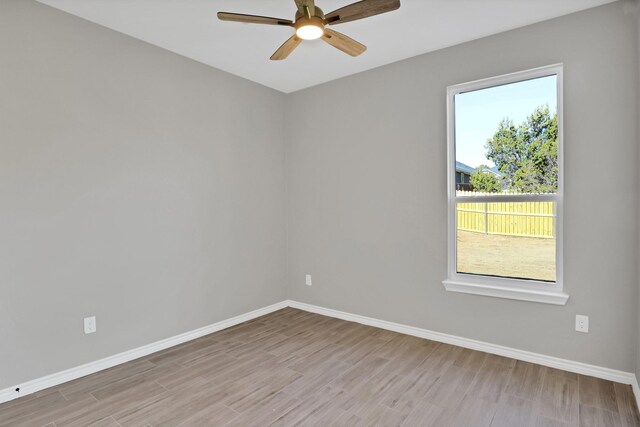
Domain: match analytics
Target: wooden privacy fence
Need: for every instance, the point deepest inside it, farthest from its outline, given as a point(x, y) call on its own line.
point(529, 219)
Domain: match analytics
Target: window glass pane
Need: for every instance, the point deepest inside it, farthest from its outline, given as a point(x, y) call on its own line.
point(506, 138)
point(513, 239)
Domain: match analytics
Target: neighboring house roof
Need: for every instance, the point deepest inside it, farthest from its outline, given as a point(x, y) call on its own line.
point(461, 167)
point(494, 170)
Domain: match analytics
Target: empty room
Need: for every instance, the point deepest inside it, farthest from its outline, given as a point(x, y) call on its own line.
point(319, 213)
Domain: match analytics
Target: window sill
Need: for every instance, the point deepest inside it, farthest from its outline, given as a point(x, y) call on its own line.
point(557, 298)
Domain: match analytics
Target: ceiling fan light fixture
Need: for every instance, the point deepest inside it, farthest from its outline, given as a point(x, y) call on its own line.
point(310, 32)
point(310, 24)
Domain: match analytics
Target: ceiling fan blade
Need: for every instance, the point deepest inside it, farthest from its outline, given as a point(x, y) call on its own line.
point(310, 4)
point(286, 48)
point(361, 9)
point(253, 19)
point(342, 42)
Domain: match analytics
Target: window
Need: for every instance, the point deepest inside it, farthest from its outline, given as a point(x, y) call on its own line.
point(505, 186)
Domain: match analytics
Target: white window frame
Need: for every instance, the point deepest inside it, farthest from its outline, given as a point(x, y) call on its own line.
point(503, 287)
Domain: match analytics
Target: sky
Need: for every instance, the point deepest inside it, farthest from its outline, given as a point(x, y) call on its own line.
point(478, 113)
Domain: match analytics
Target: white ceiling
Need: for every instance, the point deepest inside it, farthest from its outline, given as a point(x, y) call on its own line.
point(190, 28)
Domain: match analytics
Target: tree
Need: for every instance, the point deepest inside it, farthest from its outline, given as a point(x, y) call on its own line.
point(527, 155)
point(485, 182)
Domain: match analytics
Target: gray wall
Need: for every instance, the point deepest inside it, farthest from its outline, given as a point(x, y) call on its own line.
point(367, 191)
point(135, 185)
point(636, 10)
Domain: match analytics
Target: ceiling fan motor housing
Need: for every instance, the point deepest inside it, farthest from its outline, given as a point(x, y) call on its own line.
point(317, 19)
point(309, 27)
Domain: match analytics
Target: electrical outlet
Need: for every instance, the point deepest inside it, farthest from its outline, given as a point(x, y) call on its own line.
point(89, 325)
point(307, 280)
point(582, 323)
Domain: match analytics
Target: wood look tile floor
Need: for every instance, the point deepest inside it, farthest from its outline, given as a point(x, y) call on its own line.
point(297, 368)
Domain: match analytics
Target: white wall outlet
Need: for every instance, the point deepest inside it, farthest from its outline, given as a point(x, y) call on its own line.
point(307, 280)
point(89, 325)
point(582, 323)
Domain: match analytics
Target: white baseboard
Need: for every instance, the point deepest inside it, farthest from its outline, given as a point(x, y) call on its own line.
point(527, 356)
point(42, 383)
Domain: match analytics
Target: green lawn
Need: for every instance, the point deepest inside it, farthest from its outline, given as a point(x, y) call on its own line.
point(506, 256)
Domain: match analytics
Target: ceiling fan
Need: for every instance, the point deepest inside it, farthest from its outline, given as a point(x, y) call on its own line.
point(310, 24)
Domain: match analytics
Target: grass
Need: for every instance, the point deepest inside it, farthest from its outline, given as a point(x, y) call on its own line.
point(506, 256)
